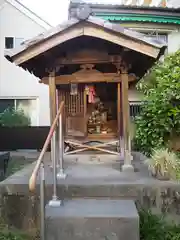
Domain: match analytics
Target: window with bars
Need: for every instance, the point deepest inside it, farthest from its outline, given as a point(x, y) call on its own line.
point(12, 42)
point(158, 35)
point(161, 37)
point(135, 108)
point(9, 42)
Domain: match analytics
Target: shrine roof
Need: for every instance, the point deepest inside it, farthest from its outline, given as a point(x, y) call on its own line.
point(35, 54)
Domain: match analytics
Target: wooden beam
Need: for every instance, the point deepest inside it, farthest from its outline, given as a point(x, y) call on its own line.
point(52, 96)
point(97, 146)
point(81, 61)
point(85, 102)
point(105, 77)
point(85, 146)
point(119, 106)
point(89, 78)
point(88, 56)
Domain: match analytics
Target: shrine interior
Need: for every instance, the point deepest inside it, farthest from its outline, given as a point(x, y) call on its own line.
point(102, 110)
point(90, 109)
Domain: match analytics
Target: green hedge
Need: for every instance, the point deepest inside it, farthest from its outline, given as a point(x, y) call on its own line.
point(159, 118)
point(154, 227)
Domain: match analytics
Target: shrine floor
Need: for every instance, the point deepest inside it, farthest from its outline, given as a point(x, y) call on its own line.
point(91, 178)
point(88, 170)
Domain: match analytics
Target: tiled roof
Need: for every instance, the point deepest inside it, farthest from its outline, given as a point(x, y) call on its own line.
point(95, 20)
point(140, 3)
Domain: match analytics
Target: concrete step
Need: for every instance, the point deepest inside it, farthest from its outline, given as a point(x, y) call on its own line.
point(93, 219)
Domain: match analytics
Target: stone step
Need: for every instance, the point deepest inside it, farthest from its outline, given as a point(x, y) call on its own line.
point(93, 219)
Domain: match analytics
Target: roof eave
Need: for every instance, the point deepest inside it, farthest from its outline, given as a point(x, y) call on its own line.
point(157, 48)
point(120, 6)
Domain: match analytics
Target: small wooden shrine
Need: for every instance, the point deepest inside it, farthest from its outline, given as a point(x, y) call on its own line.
point(89, 63)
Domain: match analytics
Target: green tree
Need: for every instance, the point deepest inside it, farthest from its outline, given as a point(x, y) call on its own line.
point(14, 118)
point(160, 115)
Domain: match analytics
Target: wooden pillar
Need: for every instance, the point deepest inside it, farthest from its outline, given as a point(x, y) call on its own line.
point(119, 106)
point(126, 122)
point(52, 96)
point(52, 108)
point(119, 118)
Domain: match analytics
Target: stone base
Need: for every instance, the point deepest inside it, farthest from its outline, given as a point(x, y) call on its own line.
point(61, 174)
point(127, 168)
point(93, 220)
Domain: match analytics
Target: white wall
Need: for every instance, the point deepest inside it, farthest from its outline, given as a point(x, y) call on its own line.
point(174, 3)
point(134, 95)
point(173, 41)
point(14, 81)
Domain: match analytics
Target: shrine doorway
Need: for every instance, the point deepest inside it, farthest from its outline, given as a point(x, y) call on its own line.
point(91, 117)
point(101, 100)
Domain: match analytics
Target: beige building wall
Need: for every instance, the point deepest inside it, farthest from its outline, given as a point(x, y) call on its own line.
point(173, 43)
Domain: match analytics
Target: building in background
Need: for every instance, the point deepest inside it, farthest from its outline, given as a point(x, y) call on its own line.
point(19, 88)
point(151, 17)
point(155, 18)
